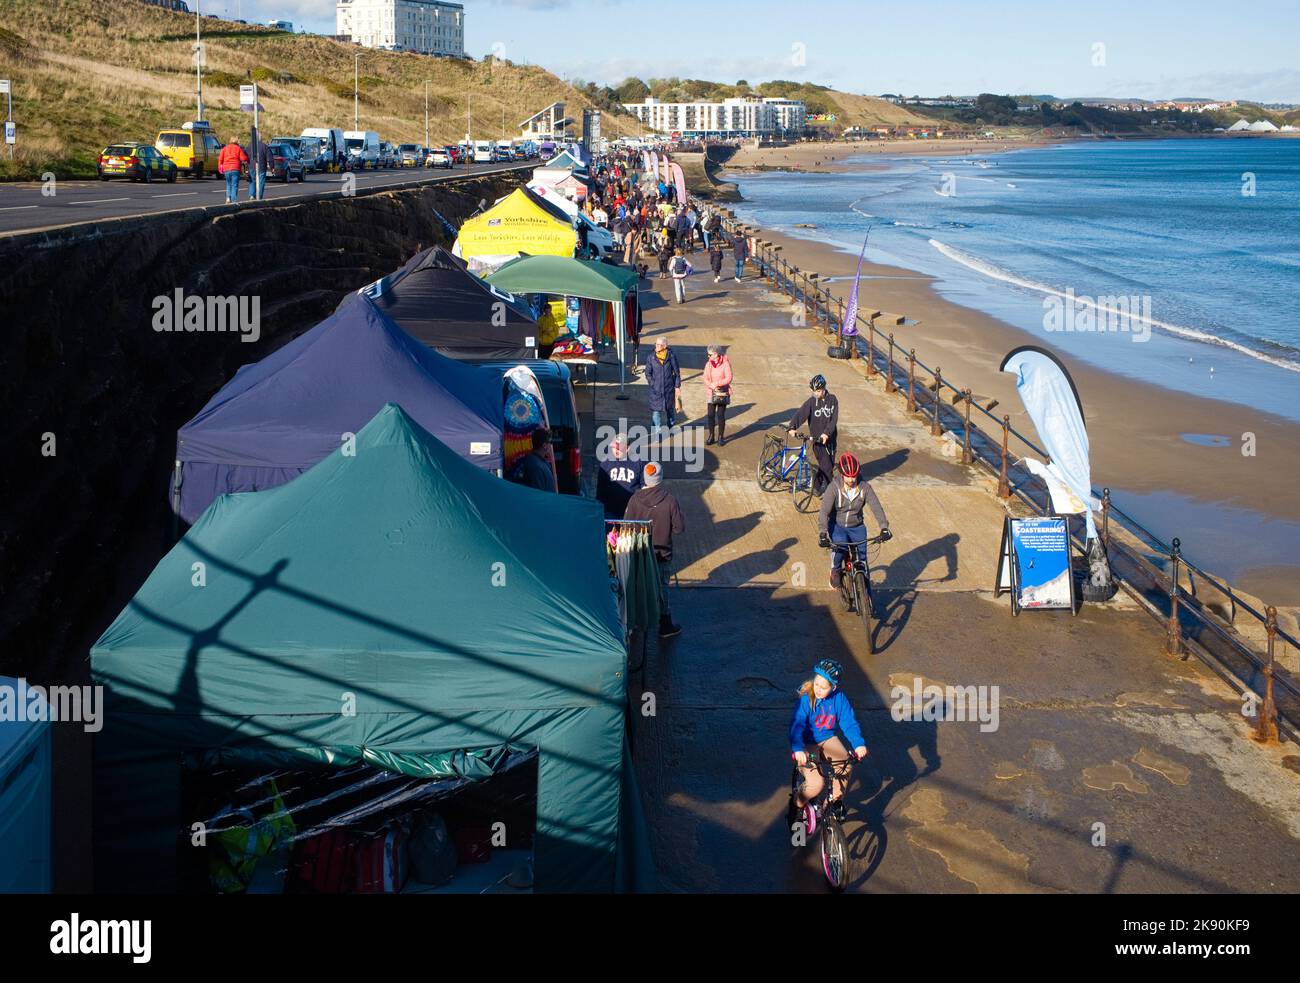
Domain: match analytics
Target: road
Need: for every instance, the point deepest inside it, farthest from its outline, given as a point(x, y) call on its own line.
point(23, 207)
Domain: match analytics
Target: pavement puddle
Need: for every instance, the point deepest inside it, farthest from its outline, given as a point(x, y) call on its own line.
point(1161, 700)
point(1107, 778)
point(972, 855)
point(1172, 770)
point(1043, 754)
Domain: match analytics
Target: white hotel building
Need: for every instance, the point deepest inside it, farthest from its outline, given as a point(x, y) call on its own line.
point(736, 117)
point(428, 27)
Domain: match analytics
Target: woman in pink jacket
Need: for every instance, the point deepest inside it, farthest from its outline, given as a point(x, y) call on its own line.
point(717, 383)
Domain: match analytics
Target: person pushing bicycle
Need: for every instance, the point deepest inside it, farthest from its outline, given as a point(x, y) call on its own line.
point(840, 521)
point(821, 714)
point(821, 411)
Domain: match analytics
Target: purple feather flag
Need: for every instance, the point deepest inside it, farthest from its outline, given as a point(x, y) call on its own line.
point(850, 327)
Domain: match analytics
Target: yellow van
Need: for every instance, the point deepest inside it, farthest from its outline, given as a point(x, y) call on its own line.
point(192, 147)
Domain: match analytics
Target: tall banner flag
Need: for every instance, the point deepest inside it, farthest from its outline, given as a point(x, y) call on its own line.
point(850, 326)
point(680, 179)
point(1052, 401)
point(654, 163)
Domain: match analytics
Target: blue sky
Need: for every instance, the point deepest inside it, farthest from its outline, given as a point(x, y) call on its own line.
point(1152, 49)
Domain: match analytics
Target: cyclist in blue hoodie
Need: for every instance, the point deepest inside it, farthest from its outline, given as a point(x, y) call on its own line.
point(821, 715)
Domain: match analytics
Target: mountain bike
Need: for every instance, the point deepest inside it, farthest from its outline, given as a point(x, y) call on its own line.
point(855, 585)
point(830, 816)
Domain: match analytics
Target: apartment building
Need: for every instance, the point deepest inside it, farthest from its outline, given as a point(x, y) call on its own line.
point(735, 117)
point(427, 27)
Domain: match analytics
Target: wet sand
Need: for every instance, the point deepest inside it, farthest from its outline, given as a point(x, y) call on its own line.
point(831, 157)
point(1135, 429)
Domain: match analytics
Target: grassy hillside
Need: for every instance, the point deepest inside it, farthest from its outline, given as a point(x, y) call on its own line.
point(87, 72)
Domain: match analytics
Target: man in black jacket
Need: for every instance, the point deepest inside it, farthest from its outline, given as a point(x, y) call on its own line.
point(821, 412)
point(656, 503)
point(535, 470)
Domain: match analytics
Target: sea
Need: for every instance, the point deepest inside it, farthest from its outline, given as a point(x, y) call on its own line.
point(1186, 251)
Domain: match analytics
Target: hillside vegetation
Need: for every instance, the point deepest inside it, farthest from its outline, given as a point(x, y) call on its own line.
point(87, 73)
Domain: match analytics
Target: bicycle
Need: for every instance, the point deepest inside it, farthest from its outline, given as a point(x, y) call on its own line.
point(855, 585)
point(779, 464)
point(830, 815)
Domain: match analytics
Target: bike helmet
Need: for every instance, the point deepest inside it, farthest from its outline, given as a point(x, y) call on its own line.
point(817, 382)
point(848, 465)
point(829, 670)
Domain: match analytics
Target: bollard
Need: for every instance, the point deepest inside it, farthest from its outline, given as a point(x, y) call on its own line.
point(1004, 486)
point(1174, 637)
point(890, 386)
point(966, 456)
point(911, 380)
point(871, 348)
point(936, 430)
point(1266, 729)
point(1105, 517)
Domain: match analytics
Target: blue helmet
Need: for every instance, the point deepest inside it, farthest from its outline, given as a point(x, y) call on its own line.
point(829, 670)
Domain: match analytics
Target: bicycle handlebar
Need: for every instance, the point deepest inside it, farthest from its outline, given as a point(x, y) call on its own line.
point(881, 538)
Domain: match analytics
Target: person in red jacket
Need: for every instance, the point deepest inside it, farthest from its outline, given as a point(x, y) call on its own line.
point(717, 383)
point(231, 159)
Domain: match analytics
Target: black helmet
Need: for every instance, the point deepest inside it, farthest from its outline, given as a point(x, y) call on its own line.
point(828, 669)
point(817, 382)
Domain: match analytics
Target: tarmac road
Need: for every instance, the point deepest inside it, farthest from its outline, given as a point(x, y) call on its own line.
point(23, 208)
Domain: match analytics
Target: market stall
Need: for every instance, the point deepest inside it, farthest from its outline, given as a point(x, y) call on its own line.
point(518, 224)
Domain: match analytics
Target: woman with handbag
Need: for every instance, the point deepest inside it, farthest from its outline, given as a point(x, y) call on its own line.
point(717, 381)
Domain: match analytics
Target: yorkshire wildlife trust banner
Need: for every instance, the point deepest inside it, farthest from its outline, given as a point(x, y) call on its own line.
point(1053, 404)
point(654, 164)
point(680, 180)
point(850, 327)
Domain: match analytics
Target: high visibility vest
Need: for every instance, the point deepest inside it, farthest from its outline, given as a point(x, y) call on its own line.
point(238, 850)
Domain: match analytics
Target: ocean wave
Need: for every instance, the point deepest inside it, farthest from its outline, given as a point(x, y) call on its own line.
point(994, 272)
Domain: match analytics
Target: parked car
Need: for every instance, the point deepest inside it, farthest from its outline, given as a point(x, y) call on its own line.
point(135, 162)
point(502, 154)
point(332, 148)
point(286, 165)
point(438, 157)
point(410, 155)
point(363, 148)
point(192, 147)
point(457, 154)
point(482, 151)
point(520, 151)
point(308, 150)
point(562, 414)
point(387, 154)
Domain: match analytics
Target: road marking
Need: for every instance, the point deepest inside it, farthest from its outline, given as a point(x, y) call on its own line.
point(179, 194)
point(97, 201)
point(18, 208)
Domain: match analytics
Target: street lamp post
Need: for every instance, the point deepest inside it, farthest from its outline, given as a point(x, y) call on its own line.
point(356, 93)
point(198, 53)
point(426, 112)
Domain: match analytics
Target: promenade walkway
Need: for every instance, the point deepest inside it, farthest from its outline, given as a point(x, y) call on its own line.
point(1095, 725)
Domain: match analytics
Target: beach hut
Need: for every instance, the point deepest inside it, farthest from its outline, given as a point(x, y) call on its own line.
point(373, 575)
point(278, 417)
point(437, 301)
point(580, 278)
point(518, 223)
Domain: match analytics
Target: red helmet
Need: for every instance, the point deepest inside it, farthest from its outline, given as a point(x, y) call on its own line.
point(848, 465)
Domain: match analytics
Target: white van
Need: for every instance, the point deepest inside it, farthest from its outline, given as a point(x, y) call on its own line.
point(483, 151)
point(363, 148)
point(333, 150)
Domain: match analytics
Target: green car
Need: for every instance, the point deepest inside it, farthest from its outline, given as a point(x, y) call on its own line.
point(135, 162)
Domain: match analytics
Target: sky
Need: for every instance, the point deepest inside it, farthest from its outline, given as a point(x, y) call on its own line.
point(1147, 49)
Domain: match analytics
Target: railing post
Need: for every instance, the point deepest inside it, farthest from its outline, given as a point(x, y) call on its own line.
point(911, 380)
point(966, 456)
point(1174, 634)
point(1266, 729)
point(871, 348)
point(890, 385)
point(1105, 518)
point(935, 429)
point(1004, 486)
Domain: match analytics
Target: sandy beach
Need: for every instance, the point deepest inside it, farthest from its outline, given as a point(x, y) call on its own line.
point(1134, 428)
point(829, 157)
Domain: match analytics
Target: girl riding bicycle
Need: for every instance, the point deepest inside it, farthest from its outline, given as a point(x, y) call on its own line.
point(840, 521)
point(821, 715)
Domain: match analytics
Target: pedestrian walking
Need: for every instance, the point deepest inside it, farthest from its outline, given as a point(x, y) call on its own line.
point(821, 411)
point(717, 383)
point(665, 254)
point(664, 377)
point(681, 269)
point(229, 162)
point(258, 166)
point(715, 258)
point(657, 504)
point(618, 478)
point(739, 249)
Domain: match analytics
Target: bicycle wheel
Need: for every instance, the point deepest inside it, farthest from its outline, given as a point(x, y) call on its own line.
point(767, 473)
point(835, 853)
point(801, 489)
point(866, 608)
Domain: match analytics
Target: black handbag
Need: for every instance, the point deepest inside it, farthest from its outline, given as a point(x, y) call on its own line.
point(721, 397)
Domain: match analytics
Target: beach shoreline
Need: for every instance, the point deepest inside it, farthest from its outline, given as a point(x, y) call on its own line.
point(1136, 429)
point(822, 158)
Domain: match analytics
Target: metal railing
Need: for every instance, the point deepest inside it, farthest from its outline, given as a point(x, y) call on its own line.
point(1190, 624)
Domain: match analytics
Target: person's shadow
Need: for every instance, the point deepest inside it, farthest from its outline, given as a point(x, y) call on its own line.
point(744, 569)
point(896, 593)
